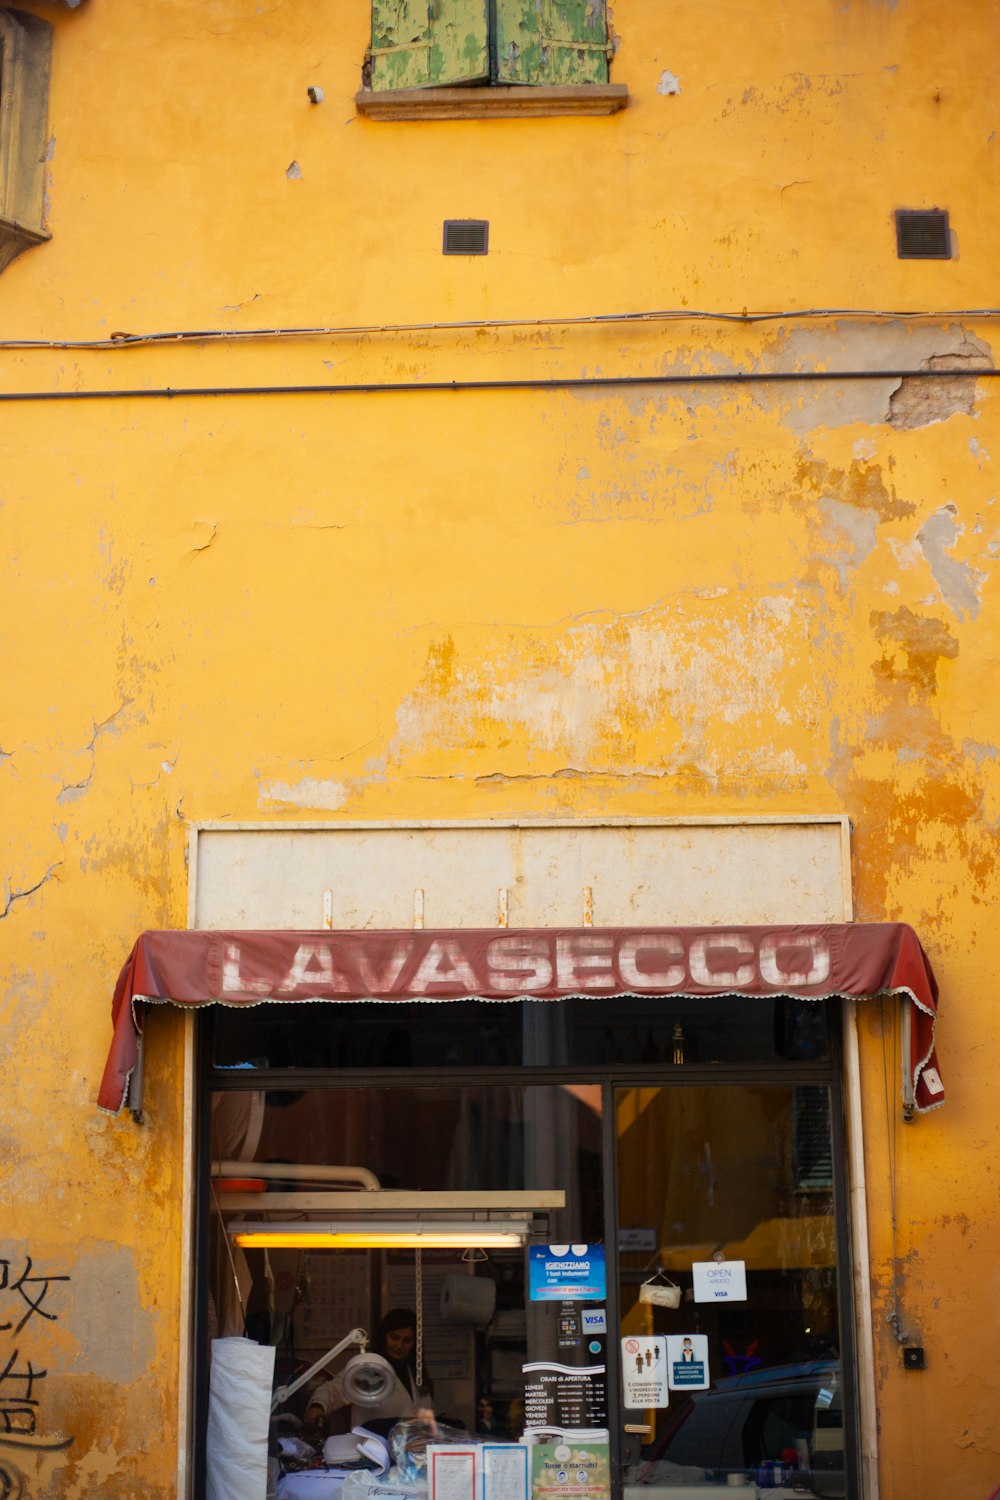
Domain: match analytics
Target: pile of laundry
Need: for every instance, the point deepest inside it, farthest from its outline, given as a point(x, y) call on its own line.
point(360, 1465)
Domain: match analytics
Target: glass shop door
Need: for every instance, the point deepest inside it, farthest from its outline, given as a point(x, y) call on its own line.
point(727, 1277)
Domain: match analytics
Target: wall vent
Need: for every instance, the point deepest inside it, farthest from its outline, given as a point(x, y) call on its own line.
point(466, 236)
point(922, 234)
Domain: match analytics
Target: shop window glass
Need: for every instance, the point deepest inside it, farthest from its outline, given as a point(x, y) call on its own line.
point(647, 1172)
point(390, 1159)
point(711, 1177)
point(584, 1032)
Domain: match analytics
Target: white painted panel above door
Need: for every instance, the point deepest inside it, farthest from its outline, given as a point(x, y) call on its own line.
point(652, 872)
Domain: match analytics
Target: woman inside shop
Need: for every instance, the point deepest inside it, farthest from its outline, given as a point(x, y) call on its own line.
point(396, 1344)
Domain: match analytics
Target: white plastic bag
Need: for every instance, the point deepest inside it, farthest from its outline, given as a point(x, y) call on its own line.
point(311, 1484)
point(239, 1412)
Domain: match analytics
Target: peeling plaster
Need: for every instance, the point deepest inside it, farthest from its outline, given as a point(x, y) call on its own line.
point(862, 486)
point(853, 532)
point(114, 1335)
point(917, 401)
point(906, 553)
point(959, 582)
point(669, 83)
point(851, 346)
point(309, 792)
point(914, 646)
point(204, 534)
point(642, 694)
point(979, 752)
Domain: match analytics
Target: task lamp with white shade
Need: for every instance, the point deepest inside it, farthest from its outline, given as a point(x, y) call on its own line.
point(366, 1380)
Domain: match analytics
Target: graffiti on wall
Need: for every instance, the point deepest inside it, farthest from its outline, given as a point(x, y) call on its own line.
point(25, 1295)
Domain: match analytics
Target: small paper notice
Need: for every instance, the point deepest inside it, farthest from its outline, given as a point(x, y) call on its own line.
point(505, 1471)
point(452, 1472)
point(687, 1361)
point(720, 1280)
point(644, 1372)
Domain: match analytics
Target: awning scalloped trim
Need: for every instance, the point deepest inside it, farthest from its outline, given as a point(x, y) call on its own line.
point(239, 968)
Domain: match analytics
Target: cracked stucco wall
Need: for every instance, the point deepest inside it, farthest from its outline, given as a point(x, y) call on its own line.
point(698, 599)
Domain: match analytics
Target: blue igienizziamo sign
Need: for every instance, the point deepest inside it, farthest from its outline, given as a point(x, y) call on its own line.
point(567, 1273)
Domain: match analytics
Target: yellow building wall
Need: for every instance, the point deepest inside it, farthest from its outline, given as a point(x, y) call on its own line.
point(714, 596)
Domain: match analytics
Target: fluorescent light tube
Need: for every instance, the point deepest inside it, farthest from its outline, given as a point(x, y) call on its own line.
point(303, 1235)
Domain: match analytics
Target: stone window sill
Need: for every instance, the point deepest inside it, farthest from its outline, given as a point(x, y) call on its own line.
point(16, 237)
point(496, 102)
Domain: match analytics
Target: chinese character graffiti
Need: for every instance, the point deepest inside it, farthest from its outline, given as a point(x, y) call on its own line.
point(33, 1291)
point(25, 1295)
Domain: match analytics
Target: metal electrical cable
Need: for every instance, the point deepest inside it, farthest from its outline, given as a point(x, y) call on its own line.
point(229, 1251)
point(126, 340)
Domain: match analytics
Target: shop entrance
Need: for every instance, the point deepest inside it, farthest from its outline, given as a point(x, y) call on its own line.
point(728, 1289)
point(615, 1229)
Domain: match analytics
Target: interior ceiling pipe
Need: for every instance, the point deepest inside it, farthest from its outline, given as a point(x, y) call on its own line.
point(296, 1172)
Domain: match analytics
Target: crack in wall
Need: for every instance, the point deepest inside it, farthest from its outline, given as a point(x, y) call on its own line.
point(166, 767)
point(70, 791)
point(200, 529)
point(569, 773)
point(13, 896)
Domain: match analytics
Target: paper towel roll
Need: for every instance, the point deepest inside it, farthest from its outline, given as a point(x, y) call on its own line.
point(468, 1299)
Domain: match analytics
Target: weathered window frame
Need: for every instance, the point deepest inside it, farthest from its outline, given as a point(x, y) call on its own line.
point(25, 54)
point(475, 59)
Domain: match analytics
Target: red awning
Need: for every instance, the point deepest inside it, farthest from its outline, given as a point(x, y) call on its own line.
point(857, 961)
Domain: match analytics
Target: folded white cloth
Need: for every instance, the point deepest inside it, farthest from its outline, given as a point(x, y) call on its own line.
point(341, 1449)
point(312, 1484)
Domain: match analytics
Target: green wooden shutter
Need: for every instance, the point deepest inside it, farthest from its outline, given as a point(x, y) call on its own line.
point(420, 44)
point(552, 41)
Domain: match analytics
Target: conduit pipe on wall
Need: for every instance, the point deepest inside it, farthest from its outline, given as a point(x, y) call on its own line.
point(373, 388)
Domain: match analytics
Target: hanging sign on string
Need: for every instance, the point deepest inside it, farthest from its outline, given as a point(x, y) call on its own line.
point(720, 1280)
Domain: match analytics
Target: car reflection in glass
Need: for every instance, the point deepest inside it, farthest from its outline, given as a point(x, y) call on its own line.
point(782, 1428)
